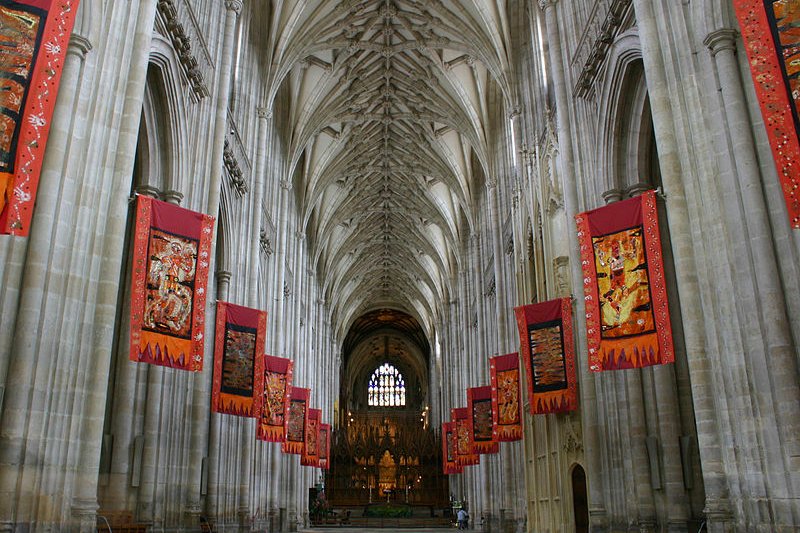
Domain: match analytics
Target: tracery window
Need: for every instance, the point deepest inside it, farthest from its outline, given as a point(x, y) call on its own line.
point(386, 387)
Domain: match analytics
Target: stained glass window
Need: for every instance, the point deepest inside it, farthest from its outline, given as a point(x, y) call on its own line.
point(386, 387)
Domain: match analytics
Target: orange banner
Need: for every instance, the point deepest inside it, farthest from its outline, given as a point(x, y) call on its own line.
point(296, 420)
point(772, 41)
point(449, 465)
point(548, 349)
point(480, 421)
point(35, 41)
point(271, 417)
point(506, 401)
point(310, 455)
point(627, 314)
point(238, 387)
point(464, 454)
point(324, 446)
point(171, 252)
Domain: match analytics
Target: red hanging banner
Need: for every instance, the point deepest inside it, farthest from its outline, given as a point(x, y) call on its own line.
point(627, 316)
point(35, 41)
point(239, 360)
point(480, 420)
point(449, 465)
point(506, 413)
point(296, 420)
point(271, 416)
point(324, 446)
point(310, 456)
point(464, 454)
point(548, 349)
point(171, 250)
point(769, 29)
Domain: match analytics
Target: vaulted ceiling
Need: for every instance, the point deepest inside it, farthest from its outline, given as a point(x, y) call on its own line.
point(389, 139)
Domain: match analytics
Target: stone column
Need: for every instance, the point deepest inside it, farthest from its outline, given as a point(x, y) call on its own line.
point(19, 380)
point(746, 193)
point(214, 426)
point(232, 10)
point(591, 427)
point(717, 500)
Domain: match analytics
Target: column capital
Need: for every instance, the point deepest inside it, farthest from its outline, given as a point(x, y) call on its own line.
point(264, 113)
point(612, 195)
point(515, 112)
point(286, 185)
point(544, 4)
point(234, 5)
point(79, 45)
point(637, 189)
point(722, 39)
point(223, 276)
point(173, 197)
point(147, 190)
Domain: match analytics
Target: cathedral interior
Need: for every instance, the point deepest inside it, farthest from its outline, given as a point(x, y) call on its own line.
point(386, 181)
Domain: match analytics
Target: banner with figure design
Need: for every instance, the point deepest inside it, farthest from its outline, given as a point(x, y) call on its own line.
point(171, 252)
point(548, 349)
point(772, 41)
point(627, 315)
point(506, 413)
point(310, 456)
point(465, 456)
point(449, 465)
point(324, 446)
point(238, 386)
point(479, 406)
point(296, 420)
point(35, 37)
point(271, 417)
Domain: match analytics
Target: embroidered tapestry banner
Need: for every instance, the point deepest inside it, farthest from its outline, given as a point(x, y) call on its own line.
point(171, 248)
point(464, 454)
point(32, 51)
point(310, 456)
point(271, 417)
point(548, 349)
point(324, 446)
point(772, 40)
point(627, 316)
point(479, 404)
point(507, 419)
point(239, 360)
point(296, 420)
point(449, 465)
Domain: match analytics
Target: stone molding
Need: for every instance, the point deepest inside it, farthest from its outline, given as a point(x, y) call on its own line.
point(234, 5)
point(181, 39)
point(235, 173)
point(173, 197)
point(79, 45)
point(595, 43)
point(722, 39)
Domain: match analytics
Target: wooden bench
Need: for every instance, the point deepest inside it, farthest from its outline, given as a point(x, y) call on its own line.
point(118, 522)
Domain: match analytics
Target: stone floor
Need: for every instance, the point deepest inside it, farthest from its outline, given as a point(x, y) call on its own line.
point(338, 529)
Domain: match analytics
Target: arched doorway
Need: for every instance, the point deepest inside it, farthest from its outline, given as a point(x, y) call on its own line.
point(580, 502)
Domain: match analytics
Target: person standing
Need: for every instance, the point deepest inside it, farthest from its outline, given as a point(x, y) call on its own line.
point(463, 518)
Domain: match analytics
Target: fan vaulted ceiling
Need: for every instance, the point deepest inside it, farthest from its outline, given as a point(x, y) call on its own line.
point(389, 128)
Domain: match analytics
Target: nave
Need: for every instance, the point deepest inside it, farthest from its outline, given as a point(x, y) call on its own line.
point(266, 262)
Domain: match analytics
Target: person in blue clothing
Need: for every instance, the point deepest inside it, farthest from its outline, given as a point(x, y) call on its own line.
point(463, 518)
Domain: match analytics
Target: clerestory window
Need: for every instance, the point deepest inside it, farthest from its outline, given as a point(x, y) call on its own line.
point(386, 387)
